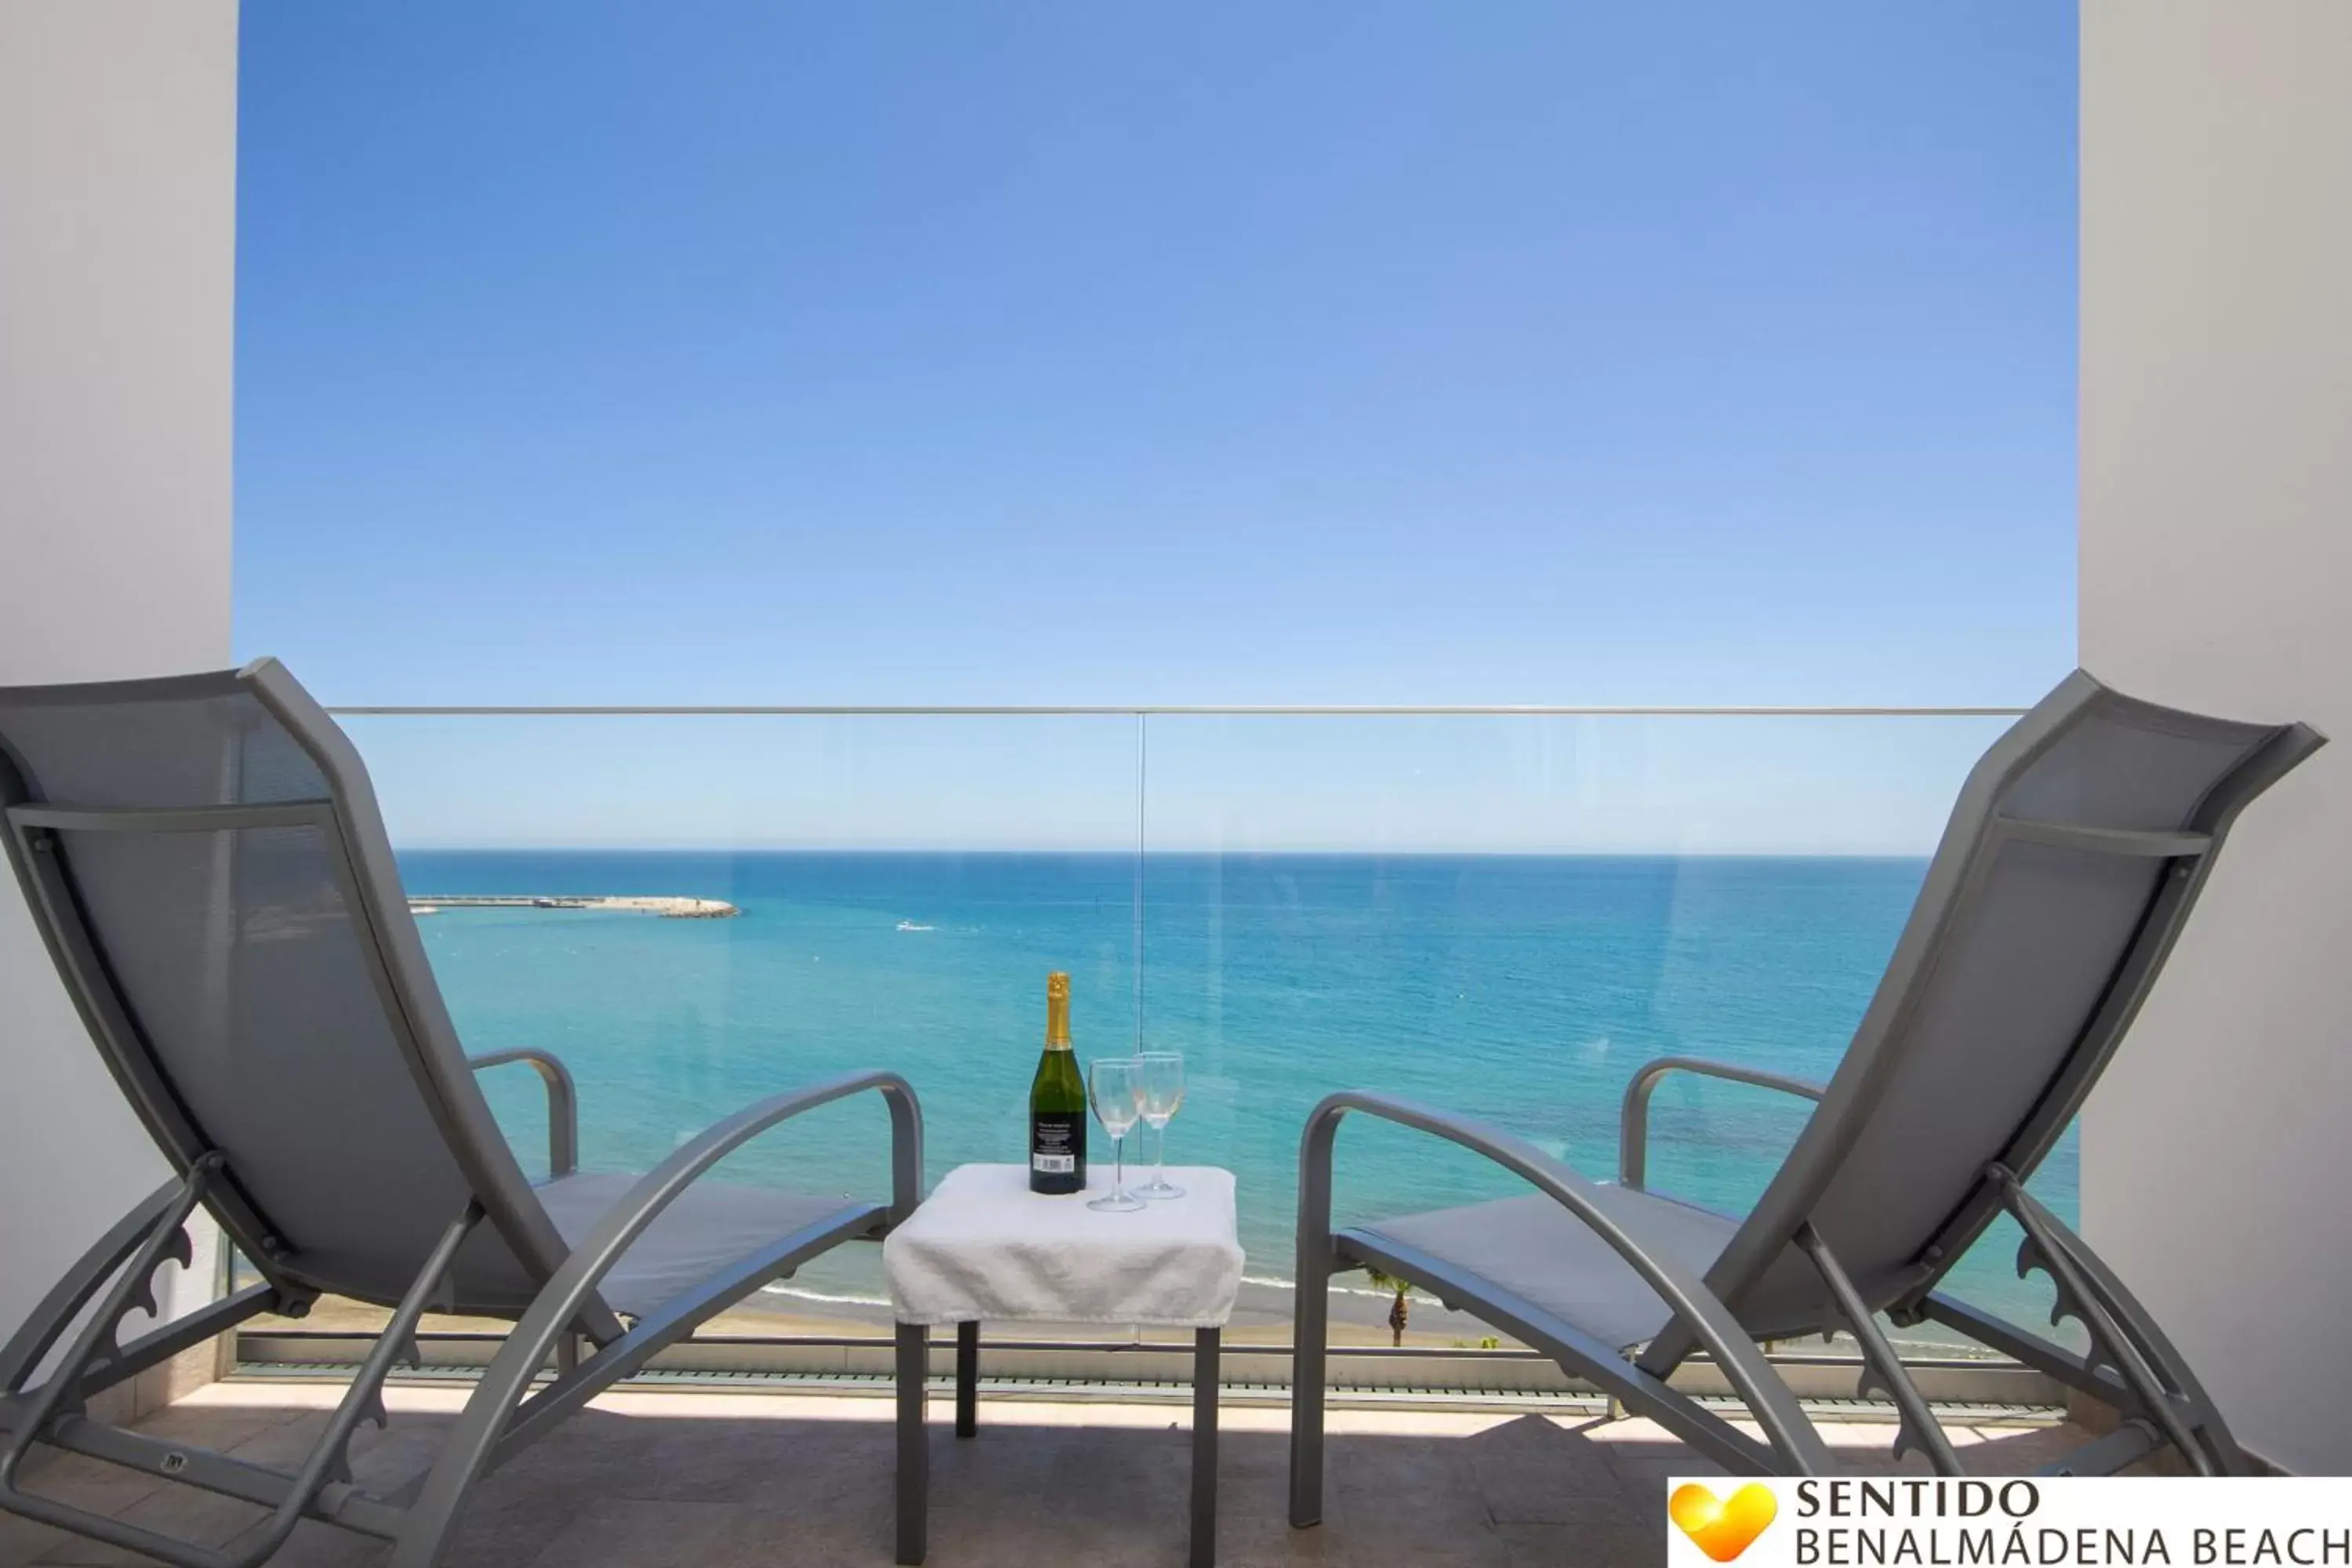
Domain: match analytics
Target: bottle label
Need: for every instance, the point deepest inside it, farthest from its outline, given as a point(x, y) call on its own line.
point(1056, 1143)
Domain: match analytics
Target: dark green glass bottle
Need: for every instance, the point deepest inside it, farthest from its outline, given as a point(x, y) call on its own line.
point(1058, 1102)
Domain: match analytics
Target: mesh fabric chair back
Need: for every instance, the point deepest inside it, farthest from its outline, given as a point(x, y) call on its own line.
point(204, 857)
point(2073, 857)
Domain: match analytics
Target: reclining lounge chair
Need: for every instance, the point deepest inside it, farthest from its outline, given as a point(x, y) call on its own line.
point(2073, 856)
point(204, 857)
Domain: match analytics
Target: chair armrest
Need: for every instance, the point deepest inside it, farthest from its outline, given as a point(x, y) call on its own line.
point(496, 1409)
point(562, 1103)
point(660, 1187)
point(1634, 1127)
point(1774, 1408)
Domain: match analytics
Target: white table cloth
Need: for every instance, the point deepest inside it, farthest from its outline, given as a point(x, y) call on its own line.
point(983, 1246)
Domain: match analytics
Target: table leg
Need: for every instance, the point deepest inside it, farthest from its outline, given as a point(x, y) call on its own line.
point(1205, 1373)
point(914, 1447)
point(967, 1379)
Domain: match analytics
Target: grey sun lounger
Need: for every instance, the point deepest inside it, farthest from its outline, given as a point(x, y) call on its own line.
point(2073, 856)
point(204, 857)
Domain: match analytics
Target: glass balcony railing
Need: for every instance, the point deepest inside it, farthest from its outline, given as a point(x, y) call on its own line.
point(1500, 912)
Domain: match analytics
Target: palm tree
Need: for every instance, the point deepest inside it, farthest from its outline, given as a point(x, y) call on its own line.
point(1398, 1313)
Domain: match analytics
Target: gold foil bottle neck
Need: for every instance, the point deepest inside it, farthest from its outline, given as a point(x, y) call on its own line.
point(1057, 1012)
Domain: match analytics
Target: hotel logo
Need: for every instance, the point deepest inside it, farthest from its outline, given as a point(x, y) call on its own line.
point(1723, 1527)
point(1917, 1521)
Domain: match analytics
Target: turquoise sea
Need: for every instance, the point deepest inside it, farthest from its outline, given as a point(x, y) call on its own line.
point(1520, 989)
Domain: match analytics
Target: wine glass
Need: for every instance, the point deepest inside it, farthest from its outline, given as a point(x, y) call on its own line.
point(1163, 1093)
point(1113, 1085)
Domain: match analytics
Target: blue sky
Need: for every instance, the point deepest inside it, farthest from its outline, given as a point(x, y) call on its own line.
point(1511, 352)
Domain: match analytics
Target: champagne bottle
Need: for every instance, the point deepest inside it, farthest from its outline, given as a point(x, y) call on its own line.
point(1058, 1102)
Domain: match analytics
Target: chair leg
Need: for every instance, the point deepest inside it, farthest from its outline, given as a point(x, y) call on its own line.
point(1311, 1326)
point(492, 1413)
point(914, 1445)
point(466, 1456)
point(365, 1399)
point(1882, 1367)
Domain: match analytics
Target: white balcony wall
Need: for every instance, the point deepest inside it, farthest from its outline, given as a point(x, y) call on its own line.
point(118, 188)
point(2217, 573)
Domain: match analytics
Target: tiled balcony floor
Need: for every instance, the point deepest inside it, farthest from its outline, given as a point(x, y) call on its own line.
point(713, 1480)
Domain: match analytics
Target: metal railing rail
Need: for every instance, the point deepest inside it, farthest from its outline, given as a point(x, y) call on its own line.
point(1508, 1371)
point(1155, 710)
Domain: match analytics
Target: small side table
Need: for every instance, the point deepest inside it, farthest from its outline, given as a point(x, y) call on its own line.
point(983, 1247)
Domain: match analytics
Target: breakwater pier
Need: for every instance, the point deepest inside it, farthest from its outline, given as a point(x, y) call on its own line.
point(668, 909)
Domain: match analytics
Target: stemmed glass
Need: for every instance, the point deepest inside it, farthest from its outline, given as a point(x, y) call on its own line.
point(1163, 1093)
point(1114, 1086)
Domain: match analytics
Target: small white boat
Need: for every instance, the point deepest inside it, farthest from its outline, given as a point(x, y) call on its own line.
point(909, 925)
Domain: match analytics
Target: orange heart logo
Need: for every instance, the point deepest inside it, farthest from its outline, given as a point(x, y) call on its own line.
point(1722, 1527)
